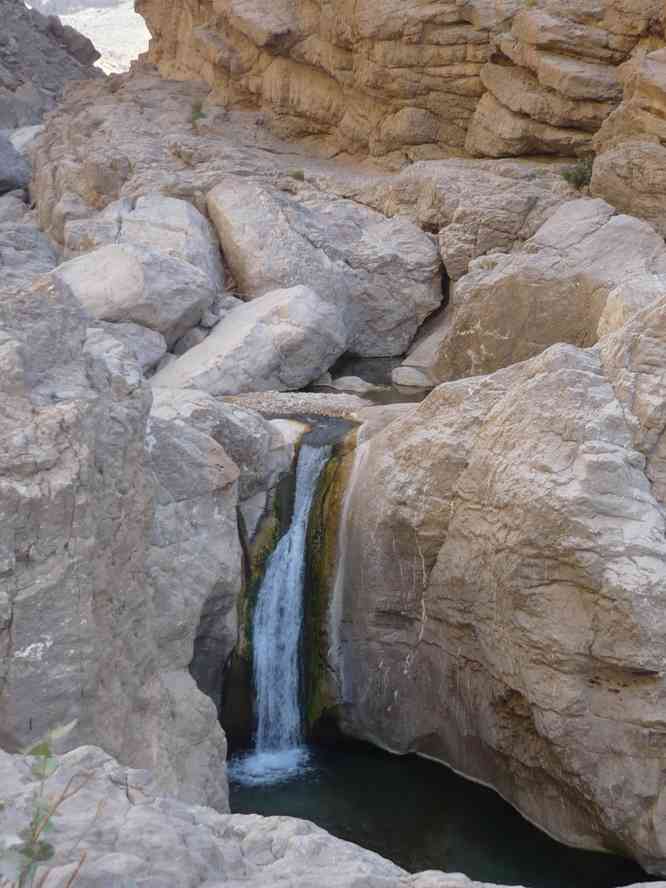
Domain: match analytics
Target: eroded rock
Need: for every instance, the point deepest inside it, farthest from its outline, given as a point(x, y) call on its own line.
point(582, 275)
point(498, 605)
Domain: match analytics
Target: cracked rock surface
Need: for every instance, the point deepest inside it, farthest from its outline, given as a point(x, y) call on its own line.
point(499, 604)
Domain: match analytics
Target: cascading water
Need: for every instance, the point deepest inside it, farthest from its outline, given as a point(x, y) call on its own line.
point(276, 634)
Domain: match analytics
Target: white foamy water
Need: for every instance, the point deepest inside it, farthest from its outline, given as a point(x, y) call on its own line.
point(265, 768)
point(276, 634)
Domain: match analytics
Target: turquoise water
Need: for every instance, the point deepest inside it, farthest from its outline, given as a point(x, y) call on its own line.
point(423, 816)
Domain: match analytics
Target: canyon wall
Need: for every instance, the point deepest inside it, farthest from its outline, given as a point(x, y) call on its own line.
point(498, 604)
point(484, 77)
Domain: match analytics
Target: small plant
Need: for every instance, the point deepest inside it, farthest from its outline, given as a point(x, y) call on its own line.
point(197, 111)
point(530, 4)
point(580, 174)
point(299, 175)
point(25, 858)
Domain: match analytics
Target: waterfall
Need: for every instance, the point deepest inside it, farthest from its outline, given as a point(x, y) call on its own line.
point(276, 636)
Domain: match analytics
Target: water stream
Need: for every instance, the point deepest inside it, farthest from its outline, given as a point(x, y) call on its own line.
point(276, 634)
point(416, 813)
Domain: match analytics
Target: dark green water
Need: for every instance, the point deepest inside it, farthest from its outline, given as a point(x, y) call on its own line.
point(423, 816)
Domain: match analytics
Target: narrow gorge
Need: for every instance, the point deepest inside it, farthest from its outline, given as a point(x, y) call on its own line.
point(333, 453)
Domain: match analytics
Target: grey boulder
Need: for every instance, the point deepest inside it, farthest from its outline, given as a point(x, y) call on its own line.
point(283, 341)
point(148, 347)
point(122, 282)
point(383, 275)
point(163, 224)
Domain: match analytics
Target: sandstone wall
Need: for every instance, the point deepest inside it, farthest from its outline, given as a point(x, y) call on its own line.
point(630, 168)
point(377, 76)
point(488, 77)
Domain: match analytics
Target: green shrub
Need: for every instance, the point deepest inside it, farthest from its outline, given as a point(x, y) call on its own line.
point(297, 174)
point(197, 111)
point(580, 174)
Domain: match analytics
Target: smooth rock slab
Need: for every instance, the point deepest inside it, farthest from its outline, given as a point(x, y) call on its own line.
point(284, 340)
point(383, 275)
point(121, 282)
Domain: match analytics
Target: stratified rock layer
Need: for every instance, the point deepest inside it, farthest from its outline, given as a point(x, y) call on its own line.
point(490, 78)
point(630, 168)
point(377, 76)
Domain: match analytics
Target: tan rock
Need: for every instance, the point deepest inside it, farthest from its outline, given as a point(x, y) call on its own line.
point(630, 168)
point(346, 73)
point(496, 131)
point(581, 276)
point(499, 602)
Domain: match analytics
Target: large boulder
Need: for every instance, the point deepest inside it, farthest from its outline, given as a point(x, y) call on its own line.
point(147, 347)
point(194, 570)
point(582, 275)
point(499, 604)
point(127, 283)
point(89, 507)
point(158, 223)
point(257, 448)
point(194, 558)
point(283, 340)
point(382, 274)
point(476, 207)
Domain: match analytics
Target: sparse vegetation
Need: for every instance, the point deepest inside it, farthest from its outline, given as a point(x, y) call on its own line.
point(299, 175)
point(580, 174)
point(197, 111)
point(23, 859)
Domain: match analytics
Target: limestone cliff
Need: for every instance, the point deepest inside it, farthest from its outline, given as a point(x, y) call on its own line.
point(490, 77)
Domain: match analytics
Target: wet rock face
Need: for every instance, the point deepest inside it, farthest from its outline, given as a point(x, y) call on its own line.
point(38, 55)
point(499, 607)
